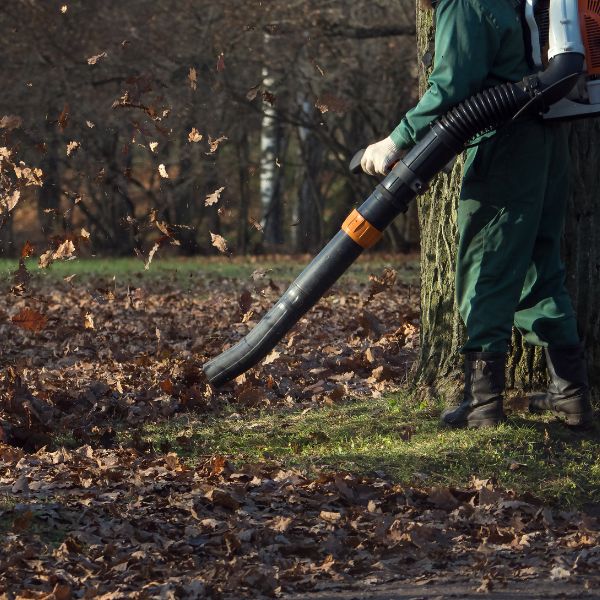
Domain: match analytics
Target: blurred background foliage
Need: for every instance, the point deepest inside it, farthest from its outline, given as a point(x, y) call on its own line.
point(137, 112)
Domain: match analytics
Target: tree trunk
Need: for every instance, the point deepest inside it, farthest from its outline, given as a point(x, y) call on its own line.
point(442, 332)
point(309, 207)
point(243, 156)
point(582, 239)
point(271, 146)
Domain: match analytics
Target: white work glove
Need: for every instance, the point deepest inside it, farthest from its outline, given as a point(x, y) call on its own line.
point(379, 157)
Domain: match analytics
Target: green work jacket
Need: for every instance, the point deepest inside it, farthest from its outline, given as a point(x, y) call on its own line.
point(478, 44)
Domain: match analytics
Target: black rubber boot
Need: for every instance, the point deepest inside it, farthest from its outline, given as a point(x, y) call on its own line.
point(484, 386)
point(568, 392)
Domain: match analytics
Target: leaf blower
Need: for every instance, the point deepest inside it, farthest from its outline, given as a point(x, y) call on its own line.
point(568, 87)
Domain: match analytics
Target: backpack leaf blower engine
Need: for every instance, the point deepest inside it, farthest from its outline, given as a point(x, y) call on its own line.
point(565, 47)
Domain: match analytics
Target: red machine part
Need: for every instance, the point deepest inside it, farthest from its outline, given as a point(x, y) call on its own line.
point(589, 15)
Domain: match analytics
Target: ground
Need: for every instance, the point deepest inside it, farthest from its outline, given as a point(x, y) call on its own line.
point(320, 474)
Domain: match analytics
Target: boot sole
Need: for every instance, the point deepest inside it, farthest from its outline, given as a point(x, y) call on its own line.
point(572, 419)
point(575, 419)
point(482, 423)
point(475, 423)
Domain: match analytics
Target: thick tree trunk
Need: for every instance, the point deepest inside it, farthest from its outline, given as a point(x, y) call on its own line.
point(582, 239)
point(442, 332)
point(441, 328)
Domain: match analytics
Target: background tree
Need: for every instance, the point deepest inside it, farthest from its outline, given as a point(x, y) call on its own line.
point(124, 85)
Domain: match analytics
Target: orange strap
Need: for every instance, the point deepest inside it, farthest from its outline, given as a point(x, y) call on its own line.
point(360, 230)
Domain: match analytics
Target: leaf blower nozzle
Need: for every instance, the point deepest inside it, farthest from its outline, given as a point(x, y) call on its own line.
point(407, 179)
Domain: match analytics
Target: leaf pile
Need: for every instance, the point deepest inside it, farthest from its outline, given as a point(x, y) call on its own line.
point(112, 524)
point(82, 356)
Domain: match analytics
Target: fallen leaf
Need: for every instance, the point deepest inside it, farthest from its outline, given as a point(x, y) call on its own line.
point(193, 78)
point(151, 254)
point(245, 301)
point(10, 122)
point(194, 136)
point(214, 143)
point(219, 242)
point(162, 171)
point(30, 319)
point(94, 59)
point(71, 147)
point(214, 197)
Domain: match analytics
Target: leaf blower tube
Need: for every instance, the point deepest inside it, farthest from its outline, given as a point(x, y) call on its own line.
point(408, 178)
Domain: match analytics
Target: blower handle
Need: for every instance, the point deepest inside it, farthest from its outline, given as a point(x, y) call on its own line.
point(355, 167)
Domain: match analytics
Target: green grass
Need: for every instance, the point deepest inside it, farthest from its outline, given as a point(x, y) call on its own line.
point(395, 437)
point(182, 269)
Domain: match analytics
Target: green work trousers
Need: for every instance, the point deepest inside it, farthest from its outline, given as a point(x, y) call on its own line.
point(510, 218)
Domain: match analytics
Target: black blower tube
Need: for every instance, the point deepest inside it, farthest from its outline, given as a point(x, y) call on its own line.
point(408, 178)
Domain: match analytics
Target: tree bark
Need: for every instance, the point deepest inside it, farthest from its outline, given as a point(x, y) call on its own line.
point(309, 209)
point(582, 239)
point(442, 332)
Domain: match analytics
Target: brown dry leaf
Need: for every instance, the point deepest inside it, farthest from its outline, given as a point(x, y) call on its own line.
point(222, 498)
point(255, 224)
point(332, 517)
point(382, 283)
point(271, 357)
point(27, 250)
point(151, 254)
point(71, 147)
point(13, 200)
point(166, 386)
point(92, 60)
point(65, 250)
point(88, 321)
point(30, 319)
point(63, 119)
point(84, 233)
point(253, 92)
point(193, 78)
point(163, 228)
point(443, 498)
point(282, 524)
point(245, 301)
point(214, 143)
point(45, 259)
point(194, 136)
point(219, 242)
point(214, 197)
point(62, 591)
point(10, 122)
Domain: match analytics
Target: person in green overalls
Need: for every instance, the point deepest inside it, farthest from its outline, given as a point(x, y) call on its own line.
point(510, 216)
